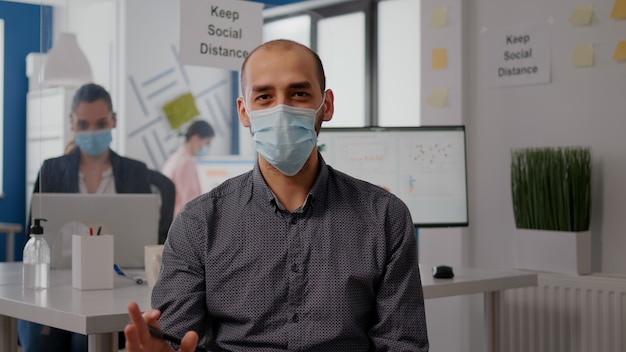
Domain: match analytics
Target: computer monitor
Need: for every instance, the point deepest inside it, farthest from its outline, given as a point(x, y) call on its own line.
point(133, 220)
point(213, 170)
point(423, 166)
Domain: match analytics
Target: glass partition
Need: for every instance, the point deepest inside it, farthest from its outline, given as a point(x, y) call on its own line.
point(370, 50)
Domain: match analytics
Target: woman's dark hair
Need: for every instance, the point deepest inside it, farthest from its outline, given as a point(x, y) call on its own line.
point(89, 93)
point(201, 128)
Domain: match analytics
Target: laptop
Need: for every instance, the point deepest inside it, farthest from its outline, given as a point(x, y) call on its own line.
point(132, 219)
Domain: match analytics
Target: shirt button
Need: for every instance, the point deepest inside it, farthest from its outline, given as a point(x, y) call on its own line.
point(295, 318)
point(294, 268)
point(294, 220)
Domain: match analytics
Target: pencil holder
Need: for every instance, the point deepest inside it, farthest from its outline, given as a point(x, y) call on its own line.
point(92, 262)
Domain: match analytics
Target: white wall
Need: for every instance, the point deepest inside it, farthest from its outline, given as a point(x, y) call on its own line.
point(450, 316)
point(581, 106)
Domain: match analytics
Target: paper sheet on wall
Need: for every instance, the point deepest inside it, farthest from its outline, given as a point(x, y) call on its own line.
point(581, 16)
point(583, 56)
point(518, 54)
point(620, 51)
point(439, 59)
point(439, 17)
point(619, 9)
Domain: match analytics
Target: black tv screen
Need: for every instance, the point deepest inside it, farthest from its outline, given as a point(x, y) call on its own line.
point(423, 166)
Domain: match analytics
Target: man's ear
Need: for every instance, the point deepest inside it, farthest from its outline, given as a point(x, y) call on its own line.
point(329, 105)
point(243, 113)
point(114, 117)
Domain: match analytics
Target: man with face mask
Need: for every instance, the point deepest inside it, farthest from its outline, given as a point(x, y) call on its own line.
point(89, 167)
point(293, 255)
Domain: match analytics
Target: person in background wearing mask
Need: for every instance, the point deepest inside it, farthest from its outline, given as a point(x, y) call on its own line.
point(180, 167)
point(293, 255)
point(89, 167)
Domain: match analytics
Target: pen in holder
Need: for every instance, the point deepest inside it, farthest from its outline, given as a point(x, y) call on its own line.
point(92, 260)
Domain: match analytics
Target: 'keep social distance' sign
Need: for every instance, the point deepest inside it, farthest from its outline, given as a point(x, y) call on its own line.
point(219, 33)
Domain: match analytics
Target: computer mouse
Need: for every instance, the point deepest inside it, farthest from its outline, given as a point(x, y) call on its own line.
point(442, 272)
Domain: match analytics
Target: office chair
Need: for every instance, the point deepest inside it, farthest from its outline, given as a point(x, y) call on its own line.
point(163, 186)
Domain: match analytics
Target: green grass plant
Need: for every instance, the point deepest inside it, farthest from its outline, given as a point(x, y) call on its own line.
point(551, 188)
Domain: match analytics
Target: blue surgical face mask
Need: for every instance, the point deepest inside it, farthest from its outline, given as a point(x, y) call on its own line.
point(204, 151)
point(93, 142)
point(284, 135)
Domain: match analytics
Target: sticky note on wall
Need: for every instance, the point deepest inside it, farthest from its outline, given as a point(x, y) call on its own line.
point(583, 56)
point(439, 17)
point(620, 51)
point(581, 16)
point(439, 59)
point(438, 98)
point(180, 110)
point(619, 9)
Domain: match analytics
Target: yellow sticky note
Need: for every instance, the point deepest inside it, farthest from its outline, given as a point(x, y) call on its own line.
point(619, 9)
point(620, 51)
point(439, 59)
point(438, 98)
point(581, 16)
point(181, 110)
point(439, 17)
point(583, 56)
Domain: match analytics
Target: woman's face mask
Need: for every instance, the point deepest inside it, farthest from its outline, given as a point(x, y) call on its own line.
point(94, 142)
point(284, 135)
point(204, 151)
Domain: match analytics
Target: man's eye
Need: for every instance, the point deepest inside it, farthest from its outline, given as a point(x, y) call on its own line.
point(301, 94)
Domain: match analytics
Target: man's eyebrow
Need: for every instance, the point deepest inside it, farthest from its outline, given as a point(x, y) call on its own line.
point(294, 85)
point(261, 88)
point(301, 85)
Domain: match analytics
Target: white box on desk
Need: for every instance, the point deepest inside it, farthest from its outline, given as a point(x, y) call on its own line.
point(92, 262)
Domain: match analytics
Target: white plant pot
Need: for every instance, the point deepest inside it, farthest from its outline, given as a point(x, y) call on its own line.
point(553, 251)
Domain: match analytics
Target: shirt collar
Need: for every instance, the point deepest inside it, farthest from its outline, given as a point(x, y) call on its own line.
point(317, 194)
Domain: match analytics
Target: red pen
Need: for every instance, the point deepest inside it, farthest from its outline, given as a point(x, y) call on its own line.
point(91, 231)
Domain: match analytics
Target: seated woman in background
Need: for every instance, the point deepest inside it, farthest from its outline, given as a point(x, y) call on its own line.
point(180, 167)
point(89, 167)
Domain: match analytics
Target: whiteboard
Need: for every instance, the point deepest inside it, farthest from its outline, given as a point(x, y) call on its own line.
point(423, 166)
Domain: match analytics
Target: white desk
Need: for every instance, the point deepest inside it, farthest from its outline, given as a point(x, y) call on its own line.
point(101, 314)
point(10, 230)
point(489, 282)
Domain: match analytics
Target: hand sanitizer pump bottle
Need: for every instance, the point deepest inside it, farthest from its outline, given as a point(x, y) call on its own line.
point(36, 266)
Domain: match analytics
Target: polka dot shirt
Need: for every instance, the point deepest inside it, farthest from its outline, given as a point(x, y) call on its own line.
point(338, 274)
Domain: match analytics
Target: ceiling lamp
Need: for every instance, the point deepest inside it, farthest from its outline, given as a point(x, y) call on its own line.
point(66, 64)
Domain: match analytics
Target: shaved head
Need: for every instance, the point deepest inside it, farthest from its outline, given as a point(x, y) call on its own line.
point(285, 45)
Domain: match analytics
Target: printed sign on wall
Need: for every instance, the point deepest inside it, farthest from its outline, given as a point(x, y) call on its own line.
point(219, 33)
point(518, 55)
